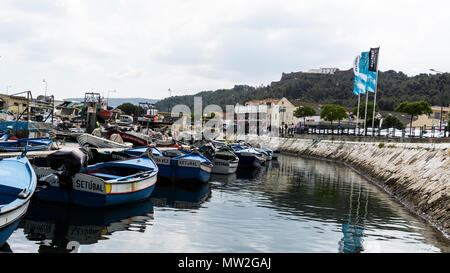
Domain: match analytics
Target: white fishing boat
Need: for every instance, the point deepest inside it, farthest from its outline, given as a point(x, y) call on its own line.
point(99, 142)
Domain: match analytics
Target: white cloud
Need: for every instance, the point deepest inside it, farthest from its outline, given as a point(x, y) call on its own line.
point(142, 48)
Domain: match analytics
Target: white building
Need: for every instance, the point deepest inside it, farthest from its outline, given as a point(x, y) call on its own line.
point(324, 70)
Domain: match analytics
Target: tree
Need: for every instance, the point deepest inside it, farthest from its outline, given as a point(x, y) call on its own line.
point(414, 108)
point(392, 122)
point(362, 111)
point(131, 109)
point(331, 112)
point(303, 112)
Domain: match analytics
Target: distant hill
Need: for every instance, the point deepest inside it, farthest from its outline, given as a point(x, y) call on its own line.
point(393, 88)
point(114, 102)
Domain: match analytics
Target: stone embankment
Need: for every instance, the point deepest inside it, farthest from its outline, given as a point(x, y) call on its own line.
point(417, 174)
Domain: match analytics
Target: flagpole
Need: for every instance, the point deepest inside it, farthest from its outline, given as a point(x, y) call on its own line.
point(365, 115)
point(375, 95)
point(357, 115)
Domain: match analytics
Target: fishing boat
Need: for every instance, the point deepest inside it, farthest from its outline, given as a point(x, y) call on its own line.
point(276, 154)
point(223, 159)
point(100, 142)
point(266, 155)
point(248, 157)
point(25, 144)
point(178, 164)
point(17, 185)
point(137, 139)
point(94, 179)
point(171, 143)
point(268, 152)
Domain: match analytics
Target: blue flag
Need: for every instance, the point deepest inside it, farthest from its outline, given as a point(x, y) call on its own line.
point(360, 67)
point(356, 71)
point(371, 81)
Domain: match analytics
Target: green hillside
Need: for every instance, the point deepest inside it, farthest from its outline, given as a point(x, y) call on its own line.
point(393, 88)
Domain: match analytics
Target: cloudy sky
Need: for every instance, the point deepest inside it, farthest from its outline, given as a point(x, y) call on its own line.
point(142, 48)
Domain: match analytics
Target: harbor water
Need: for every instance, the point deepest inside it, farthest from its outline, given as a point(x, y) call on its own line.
point(289, 205)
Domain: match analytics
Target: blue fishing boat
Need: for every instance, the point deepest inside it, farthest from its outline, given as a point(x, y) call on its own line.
point(95, 179)
point(17, 185)
point(25, 144)
point(178, 164)
point(248, 157)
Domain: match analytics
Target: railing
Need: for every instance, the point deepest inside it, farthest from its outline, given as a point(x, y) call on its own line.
point(414, 132)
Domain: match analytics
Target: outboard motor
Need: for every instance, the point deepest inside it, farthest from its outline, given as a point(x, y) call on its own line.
point(65, 163)
point(208, 151)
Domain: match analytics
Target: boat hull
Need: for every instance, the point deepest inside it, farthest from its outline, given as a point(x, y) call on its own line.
point(179, 169)
point(249, 161)
point(105, 114)
point(10, 220)
point(134, 139)
point(28, 144)
point(90, 191)
point(221, 166)
point(17, 185)
point(275, 154)
point(98, 142)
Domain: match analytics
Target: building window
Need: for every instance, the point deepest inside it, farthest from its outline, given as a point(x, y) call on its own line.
point(437, 115)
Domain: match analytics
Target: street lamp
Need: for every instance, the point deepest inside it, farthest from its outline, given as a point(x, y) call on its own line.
point(170, 95)
point(109, 91)
point(442, 103)
point(45, 89)
point(7, 89)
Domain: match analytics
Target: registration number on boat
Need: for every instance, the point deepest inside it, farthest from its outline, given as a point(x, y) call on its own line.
point(189, 163)
point(161, 160)
point(88, 183)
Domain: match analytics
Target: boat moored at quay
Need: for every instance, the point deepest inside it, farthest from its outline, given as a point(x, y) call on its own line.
point(95, 179)
point(178, 164)
point(17, 185)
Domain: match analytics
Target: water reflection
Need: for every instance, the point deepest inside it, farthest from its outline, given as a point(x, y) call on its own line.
point(223, 178)
point(59, 228)
point(289, 205)
point(252, 174)
point(324, 191)
point(353, 222)
point(180, 194)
